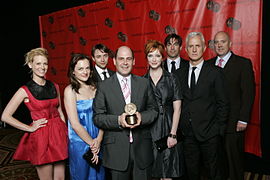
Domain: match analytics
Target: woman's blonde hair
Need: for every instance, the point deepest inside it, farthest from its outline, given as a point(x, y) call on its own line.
point(29, 56)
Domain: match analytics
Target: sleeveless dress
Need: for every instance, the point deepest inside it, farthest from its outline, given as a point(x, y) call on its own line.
point(170, 162)
point(50, 143)
point(79, 168)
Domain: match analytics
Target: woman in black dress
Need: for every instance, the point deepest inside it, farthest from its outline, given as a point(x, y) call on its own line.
point(168, 162)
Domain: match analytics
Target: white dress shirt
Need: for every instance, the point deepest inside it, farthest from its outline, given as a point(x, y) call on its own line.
point(196, 71)
point(100, 72)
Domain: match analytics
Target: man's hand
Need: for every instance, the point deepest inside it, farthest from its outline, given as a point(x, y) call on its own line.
point(241, 126)
point(139, 120)
point(122, 120)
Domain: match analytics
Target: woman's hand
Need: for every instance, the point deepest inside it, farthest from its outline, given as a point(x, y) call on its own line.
point(38, 124)
point(95, 145)
point(171, 142)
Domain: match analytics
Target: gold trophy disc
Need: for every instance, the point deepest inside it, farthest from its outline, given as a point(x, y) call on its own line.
point(131, 109)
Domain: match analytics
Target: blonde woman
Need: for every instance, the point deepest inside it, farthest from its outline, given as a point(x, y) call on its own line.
point(45, 142)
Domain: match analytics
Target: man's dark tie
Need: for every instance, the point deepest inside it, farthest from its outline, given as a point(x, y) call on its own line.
point(173, 67)
point(104, 74)
point(192, 80)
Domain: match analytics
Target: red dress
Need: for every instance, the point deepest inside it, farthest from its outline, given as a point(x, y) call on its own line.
point(47, 144)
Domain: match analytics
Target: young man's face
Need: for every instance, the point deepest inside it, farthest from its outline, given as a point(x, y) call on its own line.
point(173, 48)
point(100, 58)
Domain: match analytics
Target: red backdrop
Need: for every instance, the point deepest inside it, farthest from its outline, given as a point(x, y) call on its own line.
point(133, 22)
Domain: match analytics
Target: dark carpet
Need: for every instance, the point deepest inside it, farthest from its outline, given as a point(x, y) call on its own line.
point(21, 170)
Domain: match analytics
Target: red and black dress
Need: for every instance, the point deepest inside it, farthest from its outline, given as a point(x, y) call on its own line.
point(50, 143)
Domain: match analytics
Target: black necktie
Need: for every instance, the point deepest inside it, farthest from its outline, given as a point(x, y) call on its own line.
point(173, 67)
point(192, 79)
point(104, 74)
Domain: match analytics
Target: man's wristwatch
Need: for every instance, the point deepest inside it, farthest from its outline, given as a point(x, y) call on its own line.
point(172, 135)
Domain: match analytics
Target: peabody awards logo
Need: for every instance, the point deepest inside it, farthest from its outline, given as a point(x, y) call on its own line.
point(72, 28)
point(211, 44)
point(51, 45)
point(53, 70)
point(83, 41)
point(233, 23)
point(213, 6)
point(44, 34)
point(81, 12)
point(120, 4)
point(108, 22)
point(122, 36)
point(154, 15)
point(170, 30)
point(51, 19)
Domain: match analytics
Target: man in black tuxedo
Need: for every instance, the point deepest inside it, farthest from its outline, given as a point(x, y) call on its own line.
point(127, 149)
point(100, 55)
point(173, 46)
point(239, 78)
point(204, 111)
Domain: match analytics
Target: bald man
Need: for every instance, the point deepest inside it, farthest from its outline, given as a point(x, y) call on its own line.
point(240, 85)
point(127, 149)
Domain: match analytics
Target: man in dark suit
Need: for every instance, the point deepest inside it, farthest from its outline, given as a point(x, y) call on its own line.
point(204, 111)
point(127, 149)
point(100, 55)
point(239, 78)
point(173, 46)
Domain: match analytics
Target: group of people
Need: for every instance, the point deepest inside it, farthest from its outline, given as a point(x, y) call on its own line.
point(200, 108)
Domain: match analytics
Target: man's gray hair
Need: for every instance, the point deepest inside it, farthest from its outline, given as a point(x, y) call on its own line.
point(193, 34)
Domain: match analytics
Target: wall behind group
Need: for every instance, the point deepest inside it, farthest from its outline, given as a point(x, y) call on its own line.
point(133, 22)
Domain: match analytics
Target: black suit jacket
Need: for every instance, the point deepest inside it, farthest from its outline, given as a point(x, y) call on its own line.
point(108, 104)
point(206, 111)
point(183, 63)
point(240, 85)
point(98, 76)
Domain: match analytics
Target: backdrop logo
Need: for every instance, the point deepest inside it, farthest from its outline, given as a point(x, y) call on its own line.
point(120, 4)
point(108, 22)
point(213, 6)
point(51, 45)
point(170, 30)
point(44, 34)
point(233, 23)
point(83, 41)
point(122, 36)
point(51, 19)
point(53, 70)
point(154, 15)
point(72, 28)
point(211, 44)
point(81, 12)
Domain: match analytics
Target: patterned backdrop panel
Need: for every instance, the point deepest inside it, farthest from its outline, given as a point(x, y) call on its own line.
point(133, 22)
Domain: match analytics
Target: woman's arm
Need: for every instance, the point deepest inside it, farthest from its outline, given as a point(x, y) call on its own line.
point(71, 109)
point(172, 141)
point(12, 106)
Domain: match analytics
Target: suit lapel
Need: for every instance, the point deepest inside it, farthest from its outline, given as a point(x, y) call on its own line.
point(134, 88)
point(202, 76)
point(116, 90)
point(110, 72)
point(165, 65)
point(185, 78)
point(229, 63)
point(97, 75)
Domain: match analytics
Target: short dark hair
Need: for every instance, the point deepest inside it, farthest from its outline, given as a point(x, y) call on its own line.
point(173, 36)
point(102, 48)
